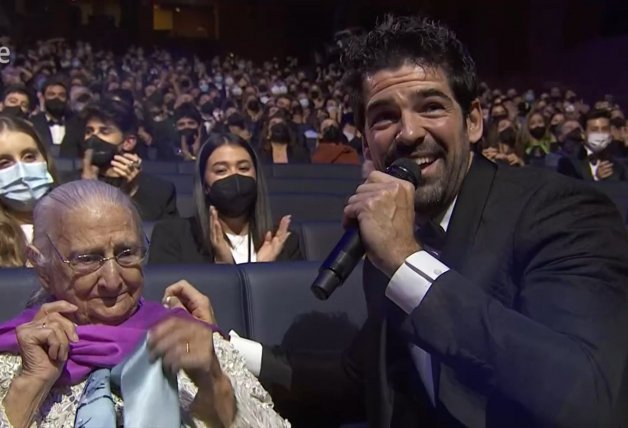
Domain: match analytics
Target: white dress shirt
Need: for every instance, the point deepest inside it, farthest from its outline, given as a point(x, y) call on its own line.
point(240, 248)
point(407, 288)
point(591, 166)
point(57, 132)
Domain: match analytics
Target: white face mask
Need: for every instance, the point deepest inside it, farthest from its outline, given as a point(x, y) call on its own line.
point(236, 91)
point(305, 103)
point(275, 90)
point(229, 81)
point(23, 184)
point(597, 141)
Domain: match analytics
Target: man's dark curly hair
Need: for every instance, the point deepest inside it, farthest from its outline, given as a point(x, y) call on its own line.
point(396, 41)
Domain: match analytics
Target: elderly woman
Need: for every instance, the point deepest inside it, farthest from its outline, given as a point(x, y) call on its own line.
point(94, 353)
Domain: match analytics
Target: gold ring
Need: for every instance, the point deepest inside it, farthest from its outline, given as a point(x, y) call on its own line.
point(43, 325)
point(187, 347)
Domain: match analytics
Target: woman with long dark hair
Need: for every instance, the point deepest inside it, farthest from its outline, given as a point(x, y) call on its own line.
point(232, 221)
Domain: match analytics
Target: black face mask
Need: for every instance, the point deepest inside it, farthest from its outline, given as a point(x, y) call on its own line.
point(189, 135)
point(207, 108)
point(15, 111)
point(497, 118)
point(253, 105)
point(315, 95)
point(575, 135)
point(537, 132)
point(508, 136)
point(233, 196)
point(104, 152)
point(55, 107)
point(331, 134)
point(279, 133)
point(553, 129)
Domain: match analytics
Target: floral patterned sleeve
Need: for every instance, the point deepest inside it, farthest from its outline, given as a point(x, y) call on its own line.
point(255, 406)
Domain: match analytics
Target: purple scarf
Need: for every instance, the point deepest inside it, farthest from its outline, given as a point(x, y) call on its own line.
point(99, 345)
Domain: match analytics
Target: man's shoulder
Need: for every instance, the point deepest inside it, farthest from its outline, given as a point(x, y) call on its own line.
point(155, 184)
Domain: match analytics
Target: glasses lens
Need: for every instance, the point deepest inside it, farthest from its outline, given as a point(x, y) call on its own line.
point(86, 263)
point(131, 256)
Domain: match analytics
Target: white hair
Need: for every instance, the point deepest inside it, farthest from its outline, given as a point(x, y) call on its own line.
point(55, 207)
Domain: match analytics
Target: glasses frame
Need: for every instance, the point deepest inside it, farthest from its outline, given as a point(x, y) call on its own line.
point(102, 260)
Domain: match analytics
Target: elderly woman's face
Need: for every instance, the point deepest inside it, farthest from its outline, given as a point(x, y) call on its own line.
point(110, 294)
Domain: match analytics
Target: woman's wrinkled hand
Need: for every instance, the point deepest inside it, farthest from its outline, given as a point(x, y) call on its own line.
point(184, 295)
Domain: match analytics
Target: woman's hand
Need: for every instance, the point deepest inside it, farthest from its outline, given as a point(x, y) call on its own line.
point(44, 342)
point(188, 345)
point(222, 252)
point(273, 245)
point(89, 171)
point(182, 294)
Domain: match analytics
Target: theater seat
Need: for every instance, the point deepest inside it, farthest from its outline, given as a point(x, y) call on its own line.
point(318, 238)
point(185, 205)
point(183, 183)
point(283, 311)
point(16, 286)
point(304, 207)
point(332, 186)
point(317, 171)
point(186, 168)
point(221, 283)
point(148, 227)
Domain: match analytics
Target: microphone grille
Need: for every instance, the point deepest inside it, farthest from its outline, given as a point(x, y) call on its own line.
point(405, 169)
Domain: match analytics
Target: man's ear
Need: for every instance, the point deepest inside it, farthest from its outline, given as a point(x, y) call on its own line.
point(36, 259)
point(129, 143)
point(475, 122)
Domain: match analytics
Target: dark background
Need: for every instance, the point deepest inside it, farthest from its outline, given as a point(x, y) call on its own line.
point(580, 43)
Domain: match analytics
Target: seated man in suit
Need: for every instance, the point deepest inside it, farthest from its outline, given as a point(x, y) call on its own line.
point(594, 161)
point(58, 128)
point(110, 137)
point(496, 296)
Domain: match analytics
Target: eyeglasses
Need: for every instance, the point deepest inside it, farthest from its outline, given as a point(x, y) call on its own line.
point(88, 263)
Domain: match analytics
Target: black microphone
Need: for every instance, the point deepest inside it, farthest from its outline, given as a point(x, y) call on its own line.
point(349, 250)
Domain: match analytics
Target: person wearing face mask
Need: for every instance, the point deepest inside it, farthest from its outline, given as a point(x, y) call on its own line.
point(619, 133)
point(16, 101)
point(332, 147)
point(110, 140)
point(51, 124)
point(279, 144)
point(570, 138)
point(188, 121)
point(504, 144)
point(594, 161)
point(232, 221)
point(555, 122)
point(27, 173)
point(536, 139)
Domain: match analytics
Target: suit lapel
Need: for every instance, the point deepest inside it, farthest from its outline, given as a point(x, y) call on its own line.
point(467, 213)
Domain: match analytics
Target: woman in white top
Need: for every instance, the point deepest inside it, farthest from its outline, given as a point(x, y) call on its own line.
point(232, 223)
point(27, 173)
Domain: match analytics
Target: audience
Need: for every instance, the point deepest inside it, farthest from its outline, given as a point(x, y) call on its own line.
point(16, 101)
point(594, 161)
point(26, 174)
point(232, 221)
point(279, 144)
point(110, 138)
point(331, 147)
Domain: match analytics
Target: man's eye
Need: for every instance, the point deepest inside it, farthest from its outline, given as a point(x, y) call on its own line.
point(434, 107)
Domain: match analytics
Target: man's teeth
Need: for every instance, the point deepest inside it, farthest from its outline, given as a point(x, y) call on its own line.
point(425, 160)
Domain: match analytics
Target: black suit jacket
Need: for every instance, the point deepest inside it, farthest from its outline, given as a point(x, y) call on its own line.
point(155, 199)
point(578, 167)
point(71, 145)
point(179, 241)
point(527, 329)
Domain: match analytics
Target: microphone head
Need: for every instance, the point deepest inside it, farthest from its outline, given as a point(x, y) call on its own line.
point(405, 169)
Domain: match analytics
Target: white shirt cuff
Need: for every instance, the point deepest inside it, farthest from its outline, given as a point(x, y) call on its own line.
point(250, 350)
point(409, 285)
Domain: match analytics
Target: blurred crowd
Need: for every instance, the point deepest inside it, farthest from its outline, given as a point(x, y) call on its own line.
point(287, 112)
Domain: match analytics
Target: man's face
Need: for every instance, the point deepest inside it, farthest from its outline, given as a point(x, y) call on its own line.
point(187, 123)
point(568, 127)
point(411, 112)
point(56, 91)
point(283, 102)
point(105, 131)
point(600, 125)
point(16, 99)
